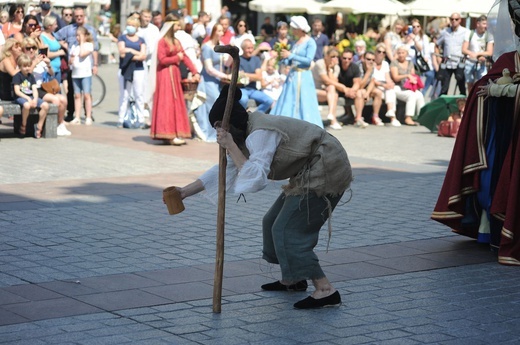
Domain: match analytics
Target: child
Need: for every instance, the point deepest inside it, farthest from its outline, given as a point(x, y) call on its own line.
point(26, 94)
point(82, 62)
point(272, 81)
point(457, 116)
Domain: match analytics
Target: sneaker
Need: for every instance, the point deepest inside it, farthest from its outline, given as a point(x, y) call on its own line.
point(76, 121)
point(336, 126)
point(63, 131)
point(376, 120)
point(178, 142)
point(361, 124)
point(395, 122)
point(330, 117)
point(390, 113)
point(88, 121)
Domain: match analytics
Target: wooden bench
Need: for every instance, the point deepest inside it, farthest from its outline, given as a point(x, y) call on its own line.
point(50, 128)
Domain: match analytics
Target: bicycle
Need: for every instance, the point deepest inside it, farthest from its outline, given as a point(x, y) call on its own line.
point(98, 90)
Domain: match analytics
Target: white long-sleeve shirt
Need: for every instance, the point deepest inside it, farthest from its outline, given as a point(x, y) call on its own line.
point(262, 145)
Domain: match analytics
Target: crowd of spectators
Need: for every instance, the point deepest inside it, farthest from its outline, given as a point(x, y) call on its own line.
point(372, 69)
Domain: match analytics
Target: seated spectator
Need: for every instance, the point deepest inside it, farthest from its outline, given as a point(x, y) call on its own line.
point(368, 86)
point(325, 73)
point(42, 70)
point(360, 46)
point(25, 93)
point(401, 71)
point(383, 81)
point(267, 29)
point(9, 67)
point(242, 34)
point(272, 80)
point(250, 68)
point(350, 87)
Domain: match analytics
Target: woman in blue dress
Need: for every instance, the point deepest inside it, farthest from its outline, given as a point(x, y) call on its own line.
point(298, 98)
point(211, 75)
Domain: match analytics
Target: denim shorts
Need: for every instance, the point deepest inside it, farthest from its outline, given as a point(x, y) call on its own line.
point(22, 101)
point(82, 85)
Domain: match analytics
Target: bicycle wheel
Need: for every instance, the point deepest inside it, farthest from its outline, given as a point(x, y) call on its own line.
point(98, 90)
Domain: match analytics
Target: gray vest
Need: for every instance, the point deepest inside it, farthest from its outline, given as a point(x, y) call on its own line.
point(312, 159)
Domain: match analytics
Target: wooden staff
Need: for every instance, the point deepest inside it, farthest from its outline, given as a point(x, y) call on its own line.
point(221, 213)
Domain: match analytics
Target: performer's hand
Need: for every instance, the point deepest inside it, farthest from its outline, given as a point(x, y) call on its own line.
point(224, 138)
point(483, 91)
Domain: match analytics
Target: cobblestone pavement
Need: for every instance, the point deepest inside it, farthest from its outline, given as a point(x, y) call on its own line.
point(88, 254)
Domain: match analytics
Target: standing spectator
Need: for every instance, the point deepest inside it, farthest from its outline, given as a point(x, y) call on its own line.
point(187, 19)
point(402, 70)
point(189, 45)
point(282, 37)
point(419, 43)
point(66, 15)
point(298, 98)
point(394, 38)
point(267, 29)
point(350, 87)
point(212, 73)
point(170, 121)
point(81, 61)
point(199, 28)
point(360, 47)
point(325, 73)
point(26, 95)
point(157, 19)
point(68, 35)
point(14, 25)
point(42, 70)
point(478, 47)
point(242, 34)
point(383, 81)
point(105, 19)
point(368, 87)
point(250, 67)
point(228, 30)
point(54, 50)
point(450, 41)
point(45, 6)
point(132, 74)
point(321, 39)
point(4, 18)
point(150, 33)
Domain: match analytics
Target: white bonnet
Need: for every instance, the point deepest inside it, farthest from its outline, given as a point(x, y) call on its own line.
point(299, 22)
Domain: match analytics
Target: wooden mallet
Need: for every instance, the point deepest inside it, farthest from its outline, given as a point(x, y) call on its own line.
point(221, 213)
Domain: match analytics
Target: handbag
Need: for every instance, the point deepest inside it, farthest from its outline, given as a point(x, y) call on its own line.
point(448, 128)
point(411, 86)
point(420, 63)
point(51, 86)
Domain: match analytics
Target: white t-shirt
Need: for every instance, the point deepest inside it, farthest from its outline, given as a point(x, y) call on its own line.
point(151, 36)
point(380, 74)
point(478, 42)
point(82, 67)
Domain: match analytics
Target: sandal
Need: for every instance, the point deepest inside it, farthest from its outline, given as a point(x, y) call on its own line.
point(21, 130)
point(37, 132)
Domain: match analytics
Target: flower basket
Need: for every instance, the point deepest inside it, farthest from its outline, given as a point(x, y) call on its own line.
point(189, 88)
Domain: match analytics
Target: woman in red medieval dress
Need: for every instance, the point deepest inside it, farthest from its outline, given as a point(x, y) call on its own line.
point(480, 197)
point(170, 121)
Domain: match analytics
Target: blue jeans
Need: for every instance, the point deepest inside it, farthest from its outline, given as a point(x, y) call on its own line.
point(263, 101)
point(474, 71)
point(430, 80)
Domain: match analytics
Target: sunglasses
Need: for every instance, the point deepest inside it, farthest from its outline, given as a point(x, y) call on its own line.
point(454, 19)
point(32, 25)
point(19, 11)
point(67, 14)
point(31, 48)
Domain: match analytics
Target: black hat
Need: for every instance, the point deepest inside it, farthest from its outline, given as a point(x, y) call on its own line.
point(239, 115)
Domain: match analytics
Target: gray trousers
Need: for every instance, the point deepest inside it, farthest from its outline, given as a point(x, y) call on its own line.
point(290, 232)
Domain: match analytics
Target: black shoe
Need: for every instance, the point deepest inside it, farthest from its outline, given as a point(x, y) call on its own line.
point(277, 286)
point(333, 300)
